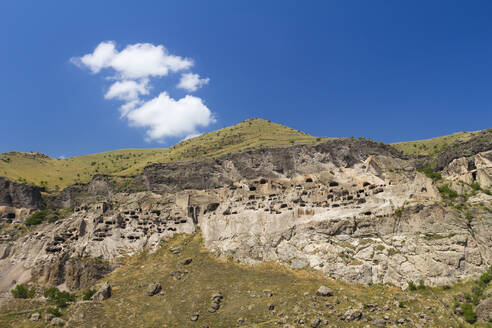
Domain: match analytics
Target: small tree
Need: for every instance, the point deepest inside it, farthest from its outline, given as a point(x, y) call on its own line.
point(21, 291)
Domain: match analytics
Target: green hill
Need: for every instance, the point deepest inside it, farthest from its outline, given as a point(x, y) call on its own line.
point(54, 174)
point(434, 145)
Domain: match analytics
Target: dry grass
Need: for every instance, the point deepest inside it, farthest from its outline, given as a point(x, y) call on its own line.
point(56, 174)
point(432, 146)
point(242, 286)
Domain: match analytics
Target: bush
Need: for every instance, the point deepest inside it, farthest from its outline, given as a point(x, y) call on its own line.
point(54, 311)
point(487, 276)
point(468, 313)
point(37, 218)
point(60, 298)
point(421, 284)
point(412, 286)
point(21, 291)
point(447, 192)
point(475, 186)
point(88, 294)
point(430, 173)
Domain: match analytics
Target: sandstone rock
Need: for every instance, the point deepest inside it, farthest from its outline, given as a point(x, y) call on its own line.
point(35, 316)
point(324, 291)
point(57, 322)
point(153, 289)
point(104, 292)
point(484, 310)
point(352, 315)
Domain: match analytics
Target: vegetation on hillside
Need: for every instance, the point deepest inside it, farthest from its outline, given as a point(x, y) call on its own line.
point(266, 295)
point(56, 174)
point(432, 146)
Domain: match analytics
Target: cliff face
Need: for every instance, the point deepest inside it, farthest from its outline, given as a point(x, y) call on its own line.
point(19, 195)
point(355, 210)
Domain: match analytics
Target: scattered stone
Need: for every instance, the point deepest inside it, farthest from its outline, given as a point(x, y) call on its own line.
point(379, 323)
point(240, 321)
point(216, 300)
point(176, 250)
point(48, 317)
point(186, 261)
point(57, 322)
point(153, 289)
point(268, 293)
point(271, 307)
point(194, 317)
point(178, 274)
point(400, 321)
point(324, 291)
point(352, 315)
point(315, 323)
point(103, 293)
point(35, 316)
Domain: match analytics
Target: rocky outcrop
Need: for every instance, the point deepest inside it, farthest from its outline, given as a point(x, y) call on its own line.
point(481, 142)
point(266, 163)
point(355, 210)
point(474, 169)
point(18, 195)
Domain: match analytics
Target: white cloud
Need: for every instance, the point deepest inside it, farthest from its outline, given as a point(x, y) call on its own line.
point(192, 82)
point(135, 61)
point(99, 59)
point(164, 116)
point(132, 68)
point(128, 90)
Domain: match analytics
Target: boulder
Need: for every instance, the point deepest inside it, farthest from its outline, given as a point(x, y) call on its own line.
point(103, 293)
point(324, 291)
point(35, 316)
point(352, 315)
point(59, 322)
point(484, 310)
point(153, 289)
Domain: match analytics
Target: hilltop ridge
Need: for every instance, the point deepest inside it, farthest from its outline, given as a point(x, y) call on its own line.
point(56, 174)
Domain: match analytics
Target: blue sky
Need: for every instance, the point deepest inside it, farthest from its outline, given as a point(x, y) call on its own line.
point(389, 70)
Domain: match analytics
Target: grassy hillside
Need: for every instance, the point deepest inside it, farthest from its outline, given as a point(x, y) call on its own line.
point(246, 295)
point(39, 169)
point(433, 145)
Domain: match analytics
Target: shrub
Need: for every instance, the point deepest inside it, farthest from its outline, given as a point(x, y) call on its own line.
point(412, 286)
point(421, 284)
point(430, 173)
point(88, 294)
point(487, 276)
point(468, 313)
point(60, 298)
point(447, 192)
point(37, 218)
point(21, 291)
point(54, 311)
point(475, 186)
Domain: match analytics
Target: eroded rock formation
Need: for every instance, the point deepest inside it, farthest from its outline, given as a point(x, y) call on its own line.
point(355, 210)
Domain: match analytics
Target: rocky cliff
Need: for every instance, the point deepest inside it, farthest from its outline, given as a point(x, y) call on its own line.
point(357, 211)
